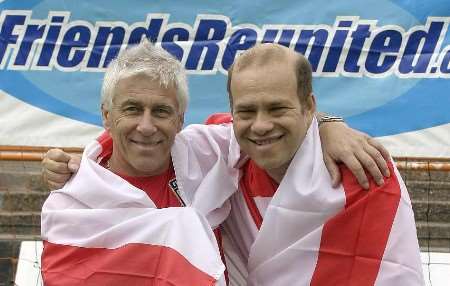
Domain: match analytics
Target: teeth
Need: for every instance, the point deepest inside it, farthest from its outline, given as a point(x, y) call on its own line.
point(263, 142)
point(266, 141)
point(146, 143)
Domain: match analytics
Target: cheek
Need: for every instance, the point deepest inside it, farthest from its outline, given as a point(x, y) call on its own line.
point(299, 130)
point(239, 127)
point(122, 125)
point(177, 124)
point(238, 134)
point(169, 127)
point(121, 119)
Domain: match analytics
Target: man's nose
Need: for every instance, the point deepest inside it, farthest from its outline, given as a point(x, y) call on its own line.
point(262, 124)
point(146, 125)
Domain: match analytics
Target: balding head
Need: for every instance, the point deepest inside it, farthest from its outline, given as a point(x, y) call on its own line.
point(272, 105)
point(265, 56)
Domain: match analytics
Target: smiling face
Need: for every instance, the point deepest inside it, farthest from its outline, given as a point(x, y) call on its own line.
point(143, 121)
point(269, 120)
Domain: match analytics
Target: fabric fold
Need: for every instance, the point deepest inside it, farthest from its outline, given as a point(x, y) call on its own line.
point(101, 230)
point(313, 234)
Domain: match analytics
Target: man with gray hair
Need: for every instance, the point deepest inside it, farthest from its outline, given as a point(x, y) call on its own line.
point(119, 221)
point(144, 163)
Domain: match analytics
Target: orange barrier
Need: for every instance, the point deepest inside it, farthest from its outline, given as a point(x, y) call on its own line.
point(32, 153)
point(423, 163)
point(423, 166)
point(29, 153)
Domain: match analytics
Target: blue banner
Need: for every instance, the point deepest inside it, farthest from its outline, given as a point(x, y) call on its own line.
point(383, 65)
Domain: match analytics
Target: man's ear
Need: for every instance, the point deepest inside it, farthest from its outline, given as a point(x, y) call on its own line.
point(106, 119)
point(310, 104)
point(180, 122)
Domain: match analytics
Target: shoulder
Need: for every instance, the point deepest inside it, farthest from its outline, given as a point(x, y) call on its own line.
point(391, 184)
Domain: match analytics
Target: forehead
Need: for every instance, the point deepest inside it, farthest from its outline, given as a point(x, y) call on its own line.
point(272, 83)
point(142, 88)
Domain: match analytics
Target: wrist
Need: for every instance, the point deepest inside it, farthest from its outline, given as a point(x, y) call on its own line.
point(326, 118)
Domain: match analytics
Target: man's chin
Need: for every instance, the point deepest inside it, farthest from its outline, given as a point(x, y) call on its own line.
point(264, 163)
point(148, 169)
point(269, 164)
point(146, 152)
point(144, 171)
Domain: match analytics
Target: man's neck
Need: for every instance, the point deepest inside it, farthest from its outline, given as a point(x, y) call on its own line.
point(278, 173)
point(116, 167)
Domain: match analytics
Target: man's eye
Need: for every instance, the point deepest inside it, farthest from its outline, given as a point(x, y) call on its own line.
point(278, 110)
point(245, 113)
point(162, 112)
point(131, 109)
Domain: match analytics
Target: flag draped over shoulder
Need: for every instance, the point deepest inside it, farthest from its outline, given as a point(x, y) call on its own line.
point(101, 230)
point(313, 234)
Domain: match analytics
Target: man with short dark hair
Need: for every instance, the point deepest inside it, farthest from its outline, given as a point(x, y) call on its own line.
point(289, 226)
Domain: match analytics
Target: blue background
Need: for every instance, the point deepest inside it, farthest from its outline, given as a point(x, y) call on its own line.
point(383, 106)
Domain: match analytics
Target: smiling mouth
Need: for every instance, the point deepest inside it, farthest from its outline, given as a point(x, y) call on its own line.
point(146, 144)
point(266, 141)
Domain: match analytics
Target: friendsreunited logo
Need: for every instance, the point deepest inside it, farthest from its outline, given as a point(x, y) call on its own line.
point(352, 47)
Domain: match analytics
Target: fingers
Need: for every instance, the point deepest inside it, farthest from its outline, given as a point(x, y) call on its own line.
point(333, 169)
point(357, 169)
point(368, 163)
point(384, 153)
point(378, 159)
point(55, 168)
point(357, 150)
point(74, 163)
point(55, 181)
point(57, 155)
point(369, 155)
point(56, 160)
point(57, 178)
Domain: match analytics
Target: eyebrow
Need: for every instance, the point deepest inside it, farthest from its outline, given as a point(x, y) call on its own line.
point(130, 102)
point(164, 105)
point(244, 106)
point(278, 104)
point(270, 105)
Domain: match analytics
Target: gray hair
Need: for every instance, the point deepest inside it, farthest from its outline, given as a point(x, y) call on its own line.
point(152, 61)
